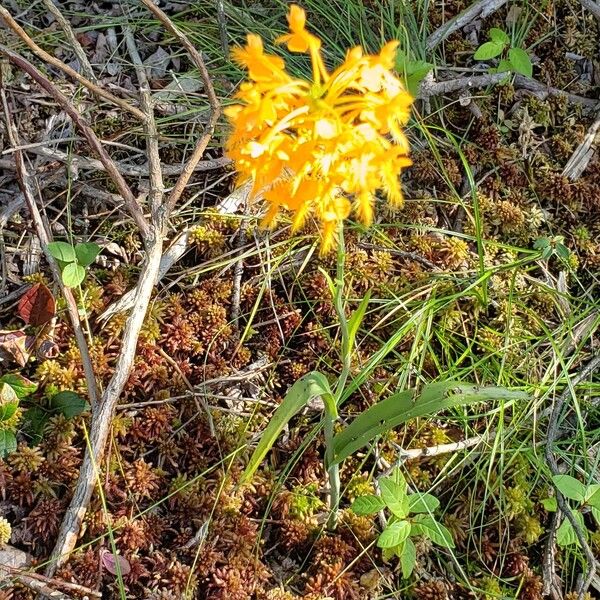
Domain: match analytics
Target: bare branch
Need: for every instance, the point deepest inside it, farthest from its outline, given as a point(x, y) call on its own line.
point(41, 53)
point(584, 152)
point(77, 49)
point(592, 6)
point(102, 418)
point(479, 10)
point(553, 430)
point(129, 170)
point(156, 181)
point(430, 87)
point(130, 202)
point(215, 105)
point(45, 238)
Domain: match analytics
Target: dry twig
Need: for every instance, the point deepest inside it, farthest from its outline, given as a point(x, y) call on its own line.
point(156, 230)
point(215, 105)
point(479, 10)
point(592, 6)
point(45, 237)
point(584, 152)
point(130, 202)
point(430, 88)
point(55, 62)
point(75, 45)
point(553, 432)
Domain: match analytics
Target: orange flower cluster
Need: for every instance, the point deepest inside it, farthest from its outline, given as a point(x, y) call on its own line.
point(320, 147)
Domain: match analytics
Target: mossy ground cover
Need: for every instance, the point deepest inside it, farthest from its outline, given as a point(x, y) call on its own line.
point(488, 273)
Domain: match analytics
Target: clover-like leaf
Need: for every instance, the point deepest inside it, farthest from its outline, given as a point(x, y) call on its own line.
point(489, 50)
point(62, 251)
point(86, 253)
point(73, 274)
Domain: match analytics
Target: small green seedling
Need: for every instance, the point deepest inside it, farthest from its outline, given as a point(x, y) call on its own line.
point(411, 517)
point(587, 498)
point(552, 246)
point(512, 59)
point(13, 388)
point(73, 260)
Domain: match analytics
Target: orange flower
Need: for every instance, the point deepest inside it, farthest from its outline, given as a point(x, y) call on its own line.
point(324, 147)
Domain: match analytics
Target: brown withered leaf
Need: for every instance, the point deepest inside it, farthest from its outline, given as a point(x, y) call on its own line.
point(37, 305)
point(16, 346)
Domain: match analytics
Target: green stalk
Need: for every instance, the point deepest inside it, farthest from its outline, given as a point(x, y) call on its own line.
point(338, 302)
point(333, 469)
point(331, 414)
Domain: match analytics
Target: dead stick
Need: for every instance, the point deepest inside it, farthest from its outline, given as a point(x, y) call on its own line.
point(157, 187)
point(102, 418)
point(75, 587)
point(97, 90)
point(553, 430)
point(215, 105)
point(592, 6)
point(77, 49)
point(130, 202)
point(129, 170)
point(479, 10)
point(45, 238)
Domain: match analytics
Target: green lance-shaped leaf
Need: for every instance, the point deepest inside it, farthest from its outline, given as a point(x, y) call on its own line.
point(367, 505)
point(305, 389)
point(570, 487)
point(394, 534)
point(426, 525)
point(404, 406)
point(408, 558)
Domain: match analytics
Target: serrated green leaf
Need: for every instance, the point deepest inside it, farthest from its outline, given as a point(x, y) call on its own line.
point(489, 50)
point(86, 253)
point(22, 386)
point(427, 526)
point(73, 274)
point(394, 534)
point(394, 496)
point(62, 251)
point(520, 61)
point(8, 442)
point(570, 487)
point(550, 504)
point(499, 36)
point(596, 514)
point(367, 505)
point(408, 558)
point(69, 404)
point(422, 503)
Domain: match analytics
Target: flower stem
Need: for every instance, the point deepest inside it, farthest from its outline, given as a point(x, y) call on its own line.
point(333, 470)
